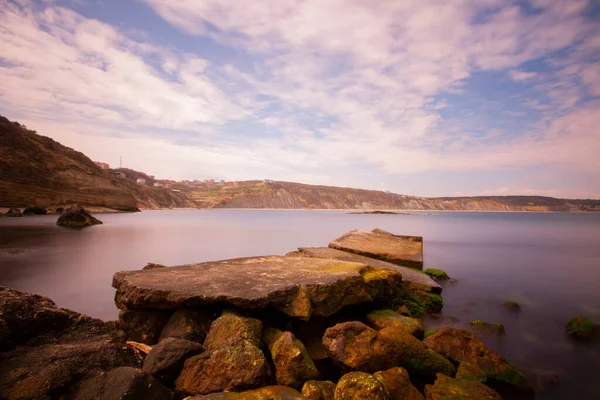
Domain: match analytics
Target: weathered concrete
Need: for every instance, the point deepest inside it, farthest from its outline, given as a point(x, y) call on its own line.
point(402, 250)
point(412, 280)
point(297, 286)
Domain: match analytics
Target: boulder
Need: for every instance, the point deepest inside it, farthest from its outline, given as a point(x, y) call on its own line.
point(581, 328)
point(511, 306)
point(188, 324)
point(76, 217)
point(293, 365)
point(485, 328)
point(402, 250)
point(403, 310)
point(231, 329)
point(459, 346)
point(144, 326)
point(166, 359)
point(360, 385)
point(437, 275)
point(398, 385)
point(412, 281)
point(13, 212)
point(380, 319)
point(34, 210)
point(356, 347)
point(228, 368)
point(297, 286)
point(264, 393)
point(446, 388)
point(318, 390)
point(122, 383)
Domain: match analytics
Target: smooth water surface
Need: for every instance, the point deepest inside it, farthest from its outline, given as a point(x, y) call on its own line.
point(549, 263)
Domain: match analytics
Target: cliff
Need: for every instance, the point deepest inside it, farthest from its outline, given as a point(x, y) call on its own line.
point(35, 169)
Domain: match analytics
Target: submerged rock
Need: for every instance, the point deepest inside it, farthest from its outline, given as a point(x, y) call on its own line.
point(34, 210)
point(459, 346)
point(582, 328)
point(166, 359)
point(382, 245)
point(318, 390)
point(356, 347)
point(122, 383)
point(230, 368)
point(293, 365)
point(511, 306)
point(76, 217)
point(446, 388)
point(299, 287)
point(486, 328)
point(188, 324)
point(389, 319)
point(13, 212)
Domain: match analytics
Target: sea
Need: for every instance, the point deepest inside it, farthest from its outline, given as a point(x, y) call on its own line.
point(547, 262)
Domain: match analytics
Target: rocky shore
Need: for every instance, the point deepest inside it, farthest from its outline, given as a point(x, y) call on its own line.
point(338, 322)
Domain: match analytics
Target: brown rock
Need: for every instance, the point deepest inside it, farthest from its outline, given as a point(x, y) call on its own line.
point(231, 329)
point(398, 385)
point(229, 368)
point(360, 385)
point(512, 306)
point(446, 388)
point(402, 250)
point(166, 359)
point(188, 324)
point(380, 319)
point(264, 393)
point(76, 217)
point(144, 326)
point(356, 347)
point(13, 212)
point(318, 390)
point(299, 287)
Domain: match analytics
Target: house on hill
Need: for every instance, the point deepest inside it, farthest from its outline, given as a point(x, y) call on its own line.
point(141, 181)
point(120, 175)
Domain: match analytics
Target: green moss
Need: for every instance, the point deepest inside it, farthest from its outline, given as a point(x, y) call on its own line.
point(430, 332)
point(487, 328)
point(437, 274)
point(377, 274)
point(581, 328)
point(510, 375)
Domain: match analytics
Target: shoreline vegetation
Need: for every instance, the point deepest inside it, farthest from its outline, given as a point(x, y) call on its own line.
point(62, 176)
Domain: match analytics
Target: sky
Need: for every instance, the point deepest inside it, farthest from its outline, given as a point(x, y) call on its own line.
point(421, 97)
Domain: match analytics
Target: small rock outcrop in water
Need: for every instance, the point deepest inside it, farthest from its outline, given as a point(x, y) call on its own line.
point(76, 217)
point(511, 306)
point(437, 274)
point(582, 328)
point(13, 212)
point(382, 245)
point(486, 328)
point(235, 328)
point(34, 210)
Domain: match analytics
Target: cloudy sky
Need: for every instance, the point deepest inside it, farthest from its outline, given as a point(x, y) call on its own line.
point(424, 97)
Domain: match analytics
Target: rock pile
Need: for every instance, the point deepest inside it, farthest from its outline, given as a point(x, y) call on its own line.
point(315, 324)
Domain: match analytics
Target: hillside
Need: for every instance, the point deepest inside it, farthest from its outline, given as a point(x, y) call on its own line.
point(35, 169)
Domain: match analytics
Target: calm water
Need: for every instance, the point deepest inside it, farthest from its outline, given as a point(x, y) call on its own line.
point(549, 263)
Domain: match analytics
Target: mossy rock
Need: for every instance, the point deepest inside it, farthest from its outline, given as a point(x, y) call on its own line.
point(486, 328)
point(421, 303)
point(381, 319)
point(429, 332)
point(231, 329)
point(582, 328)
point(437, 275)
point(318, 390)
point(446, 388)
point(360, 385)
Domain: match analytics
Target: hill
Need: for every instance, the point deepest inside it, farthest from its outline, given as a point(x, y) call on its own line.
point(36, 169)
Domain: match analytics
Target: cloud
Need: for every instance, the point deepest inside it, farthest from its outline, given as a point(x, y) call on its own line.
point(518, 76)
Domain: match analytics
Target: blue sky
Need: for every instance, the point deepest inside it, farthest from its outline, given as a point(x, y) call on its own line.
point(470, 97)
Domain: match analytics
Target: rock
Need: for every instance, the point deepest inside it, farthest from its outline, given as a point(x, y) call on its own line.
point(429, 332)
point(48, 370)
point(360, 385)
point(13, 212)
point(166, 359)
point(403, 310)
point(471, 372)
point(318, 390)
point(356, 347)
point(437, 275)
point(153, 266)
point(144, 326)
point(398, 385)
point(231, 329)
point(446, 388)
point(144, 348)
point(582, 328)
point(188, 324)
point(459, 346)
point(76, 217)
point(293, 365)
point(264, 393)
point(389, 319)
point(485, 328)
point(122, 383)
point(422, 303)
point(511, 306)
point(229, 368)
point(412, 281)
point(299, 287)
point(402, 250)
point(34, 210)
point(547, 380)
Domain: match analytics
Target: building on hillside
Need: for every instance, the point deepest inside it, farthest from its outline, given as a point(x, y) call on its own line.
point(157, 184)
point(102, 165)
point(141, 181)
point(268, 181)
point(120, 175)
